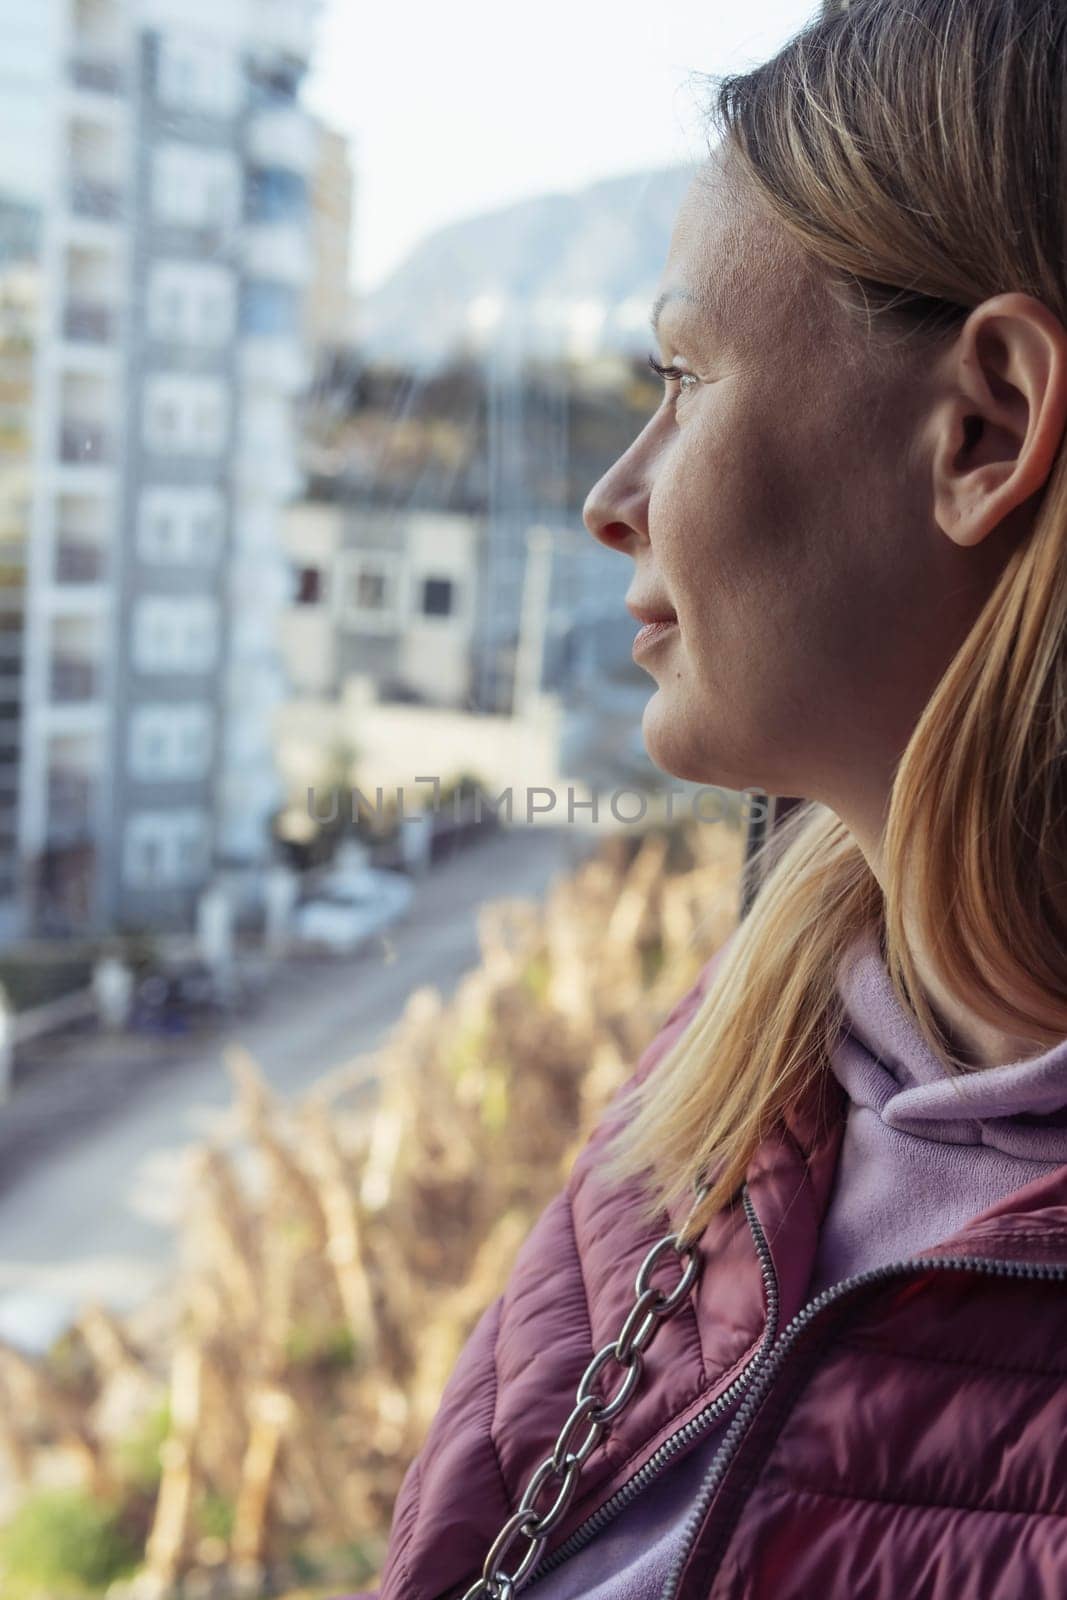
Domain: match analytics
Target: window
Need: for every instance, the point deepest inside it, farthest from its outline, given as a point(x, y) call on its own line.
point(205, 532)
point(265, 425)
point(274, 194)
point(437, 597)
point(184, 415)
point(166, 849)
point(370, 590)
point(196, 74)
point(270, 308)
point(275, 85)
point(208, 423)
point(150, 746)
point(144, 856)
point(175, 635)
point(216, 314)
point(308, 586)
point(180, 526)
point(164, 420)
point(194, 739)
point(169, 316)
point(161, 533)
point(191, 302)
point(168, 742)
point(195, 188)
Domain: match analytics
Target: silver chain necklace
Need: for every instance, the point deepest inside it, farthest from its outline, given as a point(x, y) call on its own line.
point(559, 1472)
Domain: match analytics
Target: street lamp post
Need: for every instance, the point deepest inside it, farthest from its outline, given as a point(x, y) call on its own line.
point(537, 578)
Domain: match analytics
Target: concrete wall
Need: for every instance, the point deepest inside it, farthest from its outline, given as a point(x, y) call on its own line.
point(395, 744)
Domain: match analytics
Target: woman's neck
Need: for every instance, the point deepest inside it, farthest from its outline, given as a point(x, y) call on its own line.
point(976, 1043)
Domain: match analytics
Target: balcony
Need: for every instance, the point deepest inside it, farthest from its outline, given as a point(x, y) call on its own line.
point(70, 804)
point(282, 136)
point(272, 471)
point(278, 252)
point(87, 443)
point(284, 28)
point(74, 680)
point(99, 73)
point(89, 322)
point(95, 199)
point(78, 561)
point(274, 362)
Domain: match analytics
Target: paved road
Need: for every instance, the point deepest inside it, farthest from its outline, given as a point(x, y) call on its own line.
point(92, 1216)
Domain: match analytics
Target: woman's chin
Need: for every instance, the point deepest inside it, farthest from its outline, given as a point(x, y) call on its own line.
point(670, 746)
point(682, 751)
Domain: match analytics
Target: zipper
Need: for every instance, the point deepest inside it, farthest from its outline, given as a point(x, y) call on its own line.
point(692, 1429)
point(770, 1368)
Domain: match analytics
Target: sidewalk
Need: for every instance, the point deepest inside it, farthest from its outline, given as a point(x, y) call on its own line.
point(67, 1083)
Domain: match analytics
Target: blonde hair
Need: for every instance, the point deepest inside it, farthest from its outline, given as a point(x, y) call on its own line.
point(918, 152)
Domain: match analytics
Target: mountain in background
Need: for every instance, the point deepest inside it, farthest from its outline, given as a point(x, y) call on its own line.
point(572, 273)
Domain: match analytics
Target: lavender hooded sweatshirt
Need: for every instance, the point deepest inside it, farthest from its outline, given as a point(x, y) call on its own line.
point(921, 1155)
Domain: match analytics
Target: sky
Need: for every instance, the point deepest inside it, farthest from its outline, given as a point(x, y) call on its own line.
point(455, 107)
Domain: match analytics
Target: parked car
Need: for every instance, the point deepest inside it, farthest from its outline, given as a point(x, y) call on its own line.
point(352, 907)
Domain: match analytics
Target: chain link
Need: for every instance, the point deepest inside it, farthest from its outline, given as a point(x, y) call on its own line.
point(593, 1412)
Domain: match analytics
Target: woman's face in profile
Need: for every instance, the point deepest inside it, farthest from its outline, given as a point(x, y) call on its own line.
point(779, 503)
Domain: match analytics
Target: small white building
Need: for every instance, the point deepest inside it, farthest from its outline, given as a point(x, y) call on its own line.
point(388, 595)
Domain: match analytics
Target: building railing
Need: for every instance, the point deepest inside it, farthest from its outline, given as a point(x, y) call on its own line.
point(277, 250)
point(281, 135)
point(70, 802)
point(78, 562)
point(89, 197)
point(88, 321)
point(85, 442)
point(73, 680)
point(99, 73)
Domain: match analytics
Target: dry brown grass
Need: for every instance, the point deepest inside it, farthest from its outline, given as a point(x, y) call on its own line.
point(335, 1259)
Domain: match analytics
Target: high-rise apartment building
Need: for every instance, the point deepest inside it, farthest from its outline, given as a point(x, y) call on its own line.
point(155, 255)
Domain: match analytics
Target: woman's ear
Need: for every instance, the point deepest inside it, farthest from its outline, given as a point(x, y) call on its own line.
point(1000, 418)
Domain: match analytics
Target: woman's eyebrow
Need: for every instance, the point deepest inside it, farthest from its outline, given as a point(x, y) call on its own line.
point(662, 300)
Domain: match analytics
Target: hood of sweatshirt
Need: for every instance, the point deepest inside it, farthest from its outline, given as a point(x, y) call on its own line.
point(887, 1067)
point(925, 1150)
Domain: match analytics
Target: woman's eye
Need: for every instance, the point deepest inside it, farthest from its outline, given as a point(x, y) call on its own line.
point(672, 374)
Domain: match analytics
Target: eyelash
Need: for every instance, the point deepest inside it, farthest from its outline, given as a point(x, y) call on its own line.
point(673, 373)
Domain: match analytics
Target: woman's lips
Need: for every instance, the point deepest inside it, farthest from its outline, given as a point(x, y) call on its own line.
point(651, 633)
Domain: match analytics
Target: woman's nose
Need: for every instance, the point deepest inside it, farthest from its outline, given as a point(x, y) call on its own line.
point(615, 509)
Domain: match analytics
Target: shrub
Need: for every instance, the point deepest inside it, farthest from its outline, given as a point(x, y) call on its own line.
point(138, 1457)
point(63, 1542)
